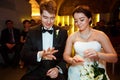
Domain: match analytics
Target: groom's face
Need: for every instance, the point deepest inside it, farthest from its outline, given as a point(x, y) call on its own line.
point(47, 19)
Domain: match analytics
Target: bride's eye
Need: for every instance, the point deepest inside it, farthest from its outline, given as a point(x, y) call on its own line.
point(82, 20)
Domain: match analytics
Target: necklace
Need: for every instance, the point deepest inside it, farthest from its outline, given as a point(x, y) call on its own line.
point(86, 36)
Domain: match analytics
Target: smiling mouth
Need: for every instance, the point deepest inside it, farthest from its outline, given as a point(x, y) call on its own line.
point(47, 25)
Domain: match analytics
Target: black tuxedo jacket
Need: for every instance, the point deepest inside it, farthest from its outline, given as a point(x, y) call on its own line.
point(37, 70)
point(5, 36)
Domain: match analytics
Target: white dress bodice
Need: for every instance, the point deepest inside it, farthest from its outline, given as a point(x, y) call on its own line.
point(80, 47)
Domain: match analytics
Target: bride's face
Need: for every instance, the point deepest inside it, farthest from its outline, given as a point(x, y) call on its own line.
point(81, 21)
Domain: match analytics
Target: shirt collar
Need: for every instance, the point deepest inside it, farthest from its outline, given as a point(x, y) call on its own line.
point(51, 28)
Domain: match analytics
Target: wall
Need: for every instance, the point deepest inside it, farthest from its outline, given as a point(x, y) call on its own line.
point(16, 10)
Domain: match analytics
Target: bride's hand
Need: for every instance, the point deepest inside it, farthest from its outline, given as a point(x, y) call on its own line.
point(91, 53)
point(76, 60)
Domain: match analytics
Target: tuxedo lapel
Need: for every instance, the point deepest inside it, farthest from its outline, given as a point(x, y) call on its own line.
point(41, 46)
point(39, 38)
point(55, 39)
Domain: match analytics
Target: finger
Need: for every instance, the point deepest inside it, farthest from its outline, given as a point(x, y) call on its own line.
point(88, 55)
point(48, 49)
point(54, 57)
point(75, 60)
point(49, 71)
point(91, 51)
point(48, 53)
point(51, 56)
point(54, 51)
point(53, 76)
point(53, 72)
point(44, 53)
point(91, 54)
point(80, 59)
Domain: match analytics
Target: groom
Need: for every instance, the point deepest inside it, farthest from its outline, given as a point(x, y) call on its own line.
point(44, 47)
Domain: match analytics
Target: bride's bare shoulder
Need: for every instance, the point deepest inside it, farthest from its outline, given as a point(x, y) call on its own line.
point(99, 34)
point(74, 34)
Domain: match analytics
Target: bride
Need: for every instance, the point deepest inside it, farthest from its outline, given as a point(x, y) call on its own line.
point(88, 63)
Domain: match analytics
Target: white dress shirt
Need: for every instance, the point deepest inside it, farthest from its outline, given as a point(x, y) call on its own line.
point(47, 40)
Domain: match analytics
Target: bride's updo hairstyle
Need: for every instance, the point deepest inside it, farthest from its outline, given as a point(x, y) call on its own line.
point(83, 9)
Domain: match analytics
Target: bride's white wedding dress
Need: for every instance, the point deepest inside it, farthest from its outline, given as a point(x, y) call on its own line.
point(74, 72)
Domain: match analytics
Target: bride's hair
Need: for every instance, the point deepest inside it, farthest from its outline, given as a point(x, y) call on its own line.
point(82, 9)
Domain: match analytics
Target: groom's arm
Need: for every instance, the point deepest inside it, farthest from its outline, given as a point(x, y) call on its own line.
point(62, 42)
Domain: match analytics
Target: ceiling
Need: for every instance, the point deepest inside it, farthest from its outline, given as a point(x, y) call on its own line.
point(65, 7)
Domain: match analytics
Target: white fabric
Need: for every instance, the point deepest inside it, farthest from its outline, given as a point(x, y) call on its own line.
point(39, 55)
point(60, 70)
point(47, 40)
point(80, 47)
point(47, 43)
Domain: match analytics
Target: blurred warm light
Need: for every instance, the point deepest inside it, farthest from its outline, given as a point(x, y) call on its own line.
point(24, 18)
point(97, 17)
point(57, 20)
point(73, 27)
point(35, 9)
point(64, 20)
point(68, 20)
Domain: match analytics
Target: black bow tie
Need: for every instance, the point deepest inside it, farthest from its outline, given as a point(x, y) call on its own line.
point(45, 30)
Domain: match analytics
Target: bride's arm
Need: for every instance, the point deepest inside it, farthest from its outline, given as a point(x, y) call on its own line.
point(68, 52)
point(109, 54)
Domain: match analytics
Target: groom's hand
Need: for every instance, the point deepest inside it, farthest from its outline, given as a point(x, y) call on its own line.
point(53, 72)
point(48, 54)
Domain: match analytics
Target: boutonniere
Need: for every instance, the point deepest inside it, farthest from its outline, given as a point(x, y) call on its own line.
point(57, 32)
